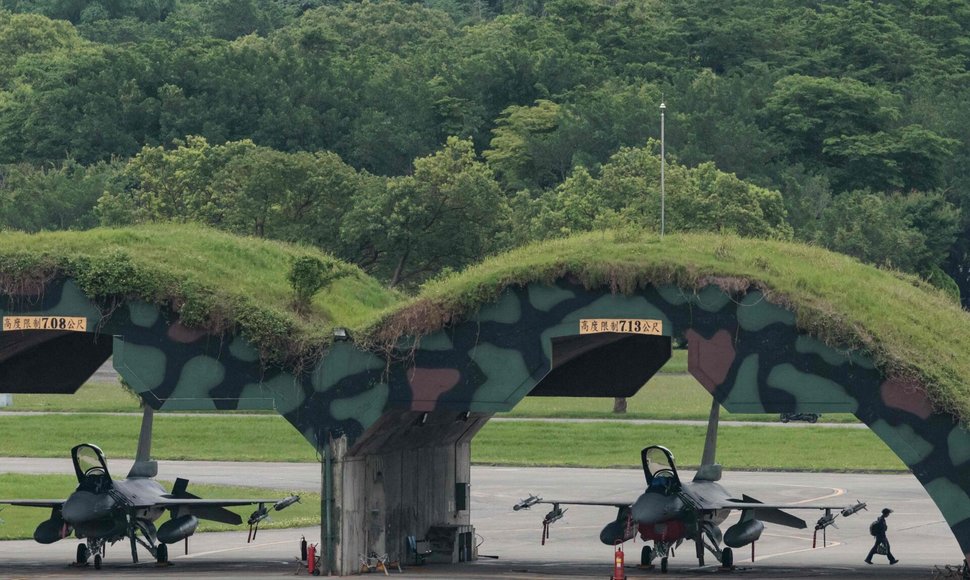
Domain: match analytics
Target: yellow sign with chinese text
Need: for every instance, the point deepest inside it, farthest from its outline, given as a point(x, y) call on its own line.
point(621, 325)
point(69, 323)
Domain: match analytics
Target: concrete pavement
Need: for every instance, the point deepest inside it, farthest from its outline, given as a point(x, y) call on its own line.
point(921, 540)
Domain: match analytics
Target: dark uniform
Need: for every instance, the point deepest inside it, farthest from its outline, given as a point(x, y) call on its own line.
point(879, 529)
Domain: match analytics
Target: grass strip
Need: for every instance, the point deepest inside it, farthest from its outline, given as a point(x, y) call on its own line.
point(18, 523)
point(94, 398)
point(229, 438)
point(664, 397)
point(528, 443)
point(741, 448)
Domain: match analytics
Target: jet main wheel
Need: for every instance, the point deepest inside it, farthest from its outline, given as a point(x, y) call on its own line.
point(727, 558)
point(97, 561)
point(161, 554)
point(663, 564)
point(83, 553)
point(646, 556)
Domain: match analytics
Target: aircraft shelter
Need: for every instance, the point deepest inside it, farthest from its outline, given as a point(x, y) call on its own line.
point(393, 421)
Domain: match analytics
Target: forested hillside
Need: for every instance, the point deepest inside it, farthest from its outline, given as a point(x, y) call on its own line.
point(416, 138)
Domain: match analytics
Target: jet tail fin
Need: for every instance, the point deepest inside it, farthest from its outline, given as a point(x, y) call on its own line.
point(144, 466)
point(710, 442)
point(709, 469)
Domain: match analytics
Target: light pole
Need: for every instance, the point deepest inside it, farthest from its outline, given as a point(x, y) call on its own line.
point(663, 162)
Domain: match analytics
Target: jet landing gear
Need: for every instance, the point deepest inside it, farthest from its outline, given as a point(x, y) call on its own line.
point(709, 538)
point(660, 550)
point(148, 540)
point(84, 552)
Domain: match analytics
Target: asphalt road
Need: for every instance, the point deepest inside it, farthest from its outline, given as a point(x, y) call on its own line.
point(920, 538)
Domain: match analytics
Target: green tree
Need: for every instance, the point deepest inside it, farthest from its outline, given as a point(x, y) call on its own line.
point(173, 184)
point(910, 233)
point(699, 199)
point(61, 197)
point(447, 215)
point(525, 151)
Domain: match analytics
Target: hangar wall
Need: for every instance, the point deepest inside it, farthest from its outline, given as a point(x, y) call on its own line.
point(388, 497)
point(378, 404)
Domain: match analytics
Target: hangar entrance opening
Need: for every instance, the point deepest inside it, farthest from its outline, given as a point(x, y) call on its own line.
point(602, 365)
point(59, 360)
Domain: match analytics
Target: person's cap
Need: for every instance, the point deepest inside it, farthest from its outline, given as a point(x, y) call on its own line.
point(886, 511)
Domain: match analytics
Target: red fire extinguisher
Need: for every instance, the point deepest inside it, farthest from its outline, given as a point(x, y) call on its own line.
point(311, 560)
point(618, 573)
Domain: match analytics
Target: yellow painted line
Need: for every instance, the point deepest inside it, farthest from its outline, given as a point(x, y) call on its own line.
point(836, 492)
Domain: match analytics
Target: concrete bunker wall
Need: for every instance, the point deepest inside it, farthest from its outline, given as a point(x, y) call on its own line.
point(395, 426)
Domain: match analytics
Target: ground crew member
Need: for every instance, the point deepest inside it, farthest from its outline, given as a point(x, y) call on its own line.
point(878, 529)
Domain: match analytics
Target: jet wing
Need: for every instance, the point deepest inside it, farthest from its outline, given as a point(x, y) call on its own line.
point(749, 503)
point(534, 500)
point(177, 502)
point(47, 503)
point(215, 509)
point(617, 504)
point(773, 513)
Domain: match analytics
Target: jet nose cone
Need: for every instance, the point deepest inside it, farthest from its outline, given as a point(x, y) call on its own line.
point(652, 508)
point(84, 506)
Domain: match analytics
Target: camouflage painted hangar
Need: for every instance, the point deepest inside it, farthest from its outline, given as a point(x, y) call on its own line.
point(393, 402)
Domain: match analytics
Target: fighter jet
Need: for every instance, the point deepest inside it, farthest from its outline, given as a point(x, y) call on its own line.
point(103, 510)
point(670, 510)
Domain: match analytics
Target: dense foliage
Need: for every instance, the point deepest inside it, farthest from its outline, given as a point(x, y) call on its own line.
point(415, 138)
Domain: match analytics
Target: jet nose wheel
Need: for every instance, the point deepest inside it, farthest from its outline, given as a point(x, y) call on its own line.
point(97, 561)
point(646, 556)
point(83, 553)
point(663, 564)
point(727, 558)
point(161, 553)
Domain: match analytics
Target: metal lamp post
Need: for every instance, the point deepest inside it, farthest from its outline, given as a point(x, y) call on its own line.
point(663, 162)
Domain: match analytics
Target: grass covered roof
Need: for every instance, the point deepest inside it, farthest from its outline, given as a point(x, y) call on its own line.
point(214, 279)
point(218, 280)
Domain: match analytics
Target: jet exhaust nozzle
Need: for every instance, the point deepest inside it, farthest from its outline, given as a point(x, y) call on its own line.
point(743, 533)
point(177, 529)
point(50, 531)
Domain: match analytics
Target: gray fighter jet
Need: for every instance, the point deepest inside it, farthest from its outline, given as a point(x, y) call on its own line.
point(671, 511)
point(103, 510)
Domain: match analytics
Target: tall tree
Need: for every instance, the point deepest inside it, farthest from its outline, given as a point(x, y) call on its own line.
point(447, 215)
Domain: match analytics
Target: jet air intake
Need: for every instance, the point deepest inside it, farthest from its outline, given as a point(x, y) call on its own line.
point(177, 529)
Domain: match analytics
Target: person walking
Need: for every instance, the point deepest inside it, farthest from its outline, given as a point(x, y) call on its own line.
point(878, 529)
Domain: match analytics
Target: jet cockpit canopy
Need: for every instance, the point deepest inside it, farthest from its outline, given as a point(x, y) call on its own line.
point(659, 469)
point(90, 466)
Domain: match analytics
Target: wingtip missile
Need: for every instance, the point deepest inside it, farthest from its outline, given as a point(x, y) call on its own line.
point(286, 502)
point(527, 503)
point(859, 506)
